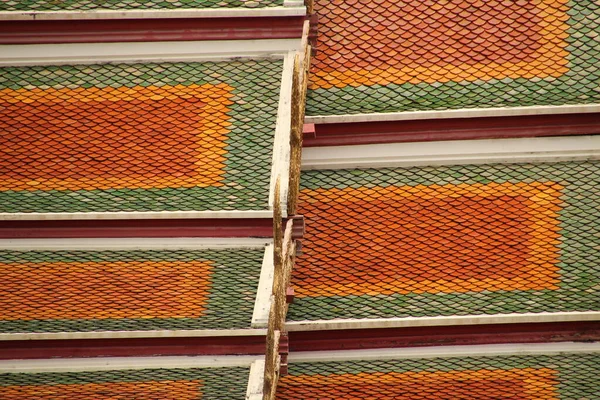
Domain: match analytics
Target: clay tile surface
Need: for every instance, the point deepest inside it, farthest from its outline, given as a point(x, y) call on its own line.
point(95, 5)
point(137, 137)
point(452, 240)
point(143, 384)
point(82, 291)
point(536, 377)
point(485, 54)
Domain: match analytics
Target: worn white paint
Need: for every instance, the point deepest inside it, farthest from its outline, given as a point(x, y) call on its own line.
point(445, 351)
point(336, 324)
point(133, 334)
point(262, 304)
point(453, 152)
point(123, 363)
point(281, 144)
point(170, 243)
point(256, 380)
point(290, 8)
point(137, 215)
point(462, 113)
point(89, 53)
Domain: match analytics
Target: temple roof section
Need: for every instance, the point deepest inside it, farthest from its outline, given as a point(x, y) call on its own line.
point(535, 372)
point(175, 139)
point(137, 288)
point(144, 378)
point(432, 238)
point(127, 9)
point(382, 57)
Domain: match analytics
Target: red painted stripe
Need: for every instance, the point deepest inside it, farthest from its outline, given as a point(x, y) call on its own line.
point(37, 349)
point(353, 339)
point(250, 227)
point(354, 133)
point(150, 30)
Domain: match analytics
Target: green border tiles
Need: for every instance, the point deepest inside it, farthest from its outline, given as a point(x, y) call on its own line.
point(99, 5)
point(579, 221)
point(217, 383)
point(581, 85)
point(579, 374)
point(249, 145)
point(233, 285)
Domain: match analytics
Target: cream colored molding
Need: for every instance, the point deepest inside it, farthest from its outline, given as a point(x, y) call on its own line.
point(453, 152)
point(133, 334)
point(338, 324)
point(446, 351)
point(123, 363)
point(170, 243)
point(462, 113)
point(262, 303)
point(290, 8)
point(254, 390)
point(281, 146)
point(137, 215)
point(187, 51)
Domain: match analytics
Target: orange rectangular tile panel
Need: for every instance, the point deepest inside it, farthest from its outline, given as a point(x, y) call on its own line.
point(416, 41)
point(103, 138)
point(165, 390)
point(430, 239)
point(104, 290)
point(522, 384)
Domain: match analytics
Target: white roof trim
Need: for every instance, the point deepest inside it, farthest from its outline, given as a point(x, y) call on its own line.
point(254, 390)
point(169, 243)
point(290, 8)
point(123, 363)
point(453, 152)
point(262, 304)
point(137, 215)
point(187, 51)
point(336, 324)
point(462, 113)
point(281, 145)
point(133, 334)
point(445, 351)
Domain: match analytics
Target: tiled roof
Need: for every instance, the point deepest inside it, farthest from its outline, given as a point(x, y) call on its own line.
point(61, 291)
point(137, 137)
point(388, 56)
point(144, 384)
point(451, 240)
point(532, 377)
point(89, 5)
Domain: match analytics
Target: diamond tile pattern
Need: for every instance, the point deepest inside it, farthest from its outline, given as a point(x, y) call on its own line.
point(137, 137)
point(89, 5)
point(390, 56)
point(145, 384)
point(452, 240)
point(60, 291)
point(483, 378)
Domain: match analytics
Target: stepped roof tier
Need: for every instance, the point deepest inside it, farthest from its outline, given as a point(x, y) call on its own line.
point(177, 378)
point(524, 376)
point(87, 5)
point(160, 287)
point(139, 137)
point(448, 240)
point(389, 56)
